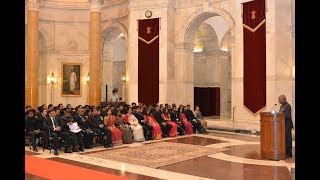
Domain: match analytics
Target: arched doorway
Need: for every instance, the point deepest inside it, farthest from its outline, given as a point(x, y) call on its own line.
point(208, 62)
point(43, 74)
point(114, 55)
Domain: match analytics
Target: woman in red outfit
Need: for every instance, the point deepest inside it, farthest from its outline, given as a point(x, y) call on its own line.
point(110, 121)
point(187, 124)
point(156, 133)
point(166, 116)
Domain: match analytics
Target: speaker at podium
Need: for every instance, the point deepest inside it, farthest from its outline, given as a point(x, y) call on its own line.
point(272, 135)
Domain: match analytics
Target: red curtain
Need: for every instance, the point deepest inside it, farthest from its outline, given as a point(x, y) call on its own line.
point(148, 61)
point(254, 41)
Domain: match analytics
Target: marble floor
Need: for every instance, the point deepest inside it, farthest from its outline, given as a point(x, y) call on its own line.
point(241, 160)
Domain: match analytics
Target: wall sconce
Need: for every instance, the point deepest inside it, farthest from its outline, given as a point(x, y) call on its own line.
point(88, 78)
point(53, 79)
point(293, 72)
point(197, 50)
point(124, 78)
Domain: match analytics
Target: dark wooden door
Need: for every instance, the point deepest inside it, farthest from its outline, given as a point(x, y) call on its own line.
point(208, 98)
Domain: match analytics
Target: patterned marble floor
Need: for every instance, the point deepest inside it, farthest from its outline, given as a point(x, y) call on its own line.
point(241, 161)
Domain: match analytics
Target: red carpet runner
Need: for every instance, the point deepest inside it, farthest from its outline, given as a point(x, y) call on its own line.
point(55, 170)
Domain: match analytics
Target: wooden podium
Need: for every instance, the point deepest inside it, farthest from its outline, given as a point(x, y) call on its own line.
point(272, 136)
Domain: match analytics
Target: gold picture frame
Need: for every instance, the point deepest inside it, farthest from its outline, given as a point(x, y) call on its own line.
point(71, 79)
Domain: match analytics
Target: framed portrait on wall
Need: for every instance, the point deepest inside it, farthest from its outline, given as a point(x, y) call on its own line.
point(71, 79)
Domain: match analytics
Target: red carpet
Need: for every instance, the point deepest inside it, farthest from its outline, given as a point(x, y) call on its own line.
point(55, 170)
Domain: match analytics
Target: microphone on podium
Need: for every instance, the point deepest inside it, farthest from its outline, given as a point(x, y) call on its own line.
point(273, 111)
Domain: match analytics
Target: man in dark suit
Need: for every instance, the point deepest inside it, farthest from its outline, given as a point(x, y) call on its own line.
point(52, 125)
point(86, 126)
point(195, 122)
point(165, 127)
point(147, 129)
point(32, 129)
point(286, 109)
point(42, 115)
point(121, 109)
point(76, 137)
point(174, 116)
point(100, 128)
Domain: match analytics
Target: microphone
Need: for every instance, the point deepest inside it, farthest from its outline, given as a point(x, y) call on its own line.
point(273, 111)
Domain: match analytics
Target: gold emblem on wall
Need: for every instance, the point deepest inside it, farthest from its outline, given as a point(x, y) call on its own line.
point(148, 30)
point(253, 14)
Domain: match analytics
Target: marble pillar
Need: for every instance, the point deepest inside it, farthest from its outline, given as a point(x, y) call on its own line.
point(32, 63)
point(184, 75)
point(95, 54)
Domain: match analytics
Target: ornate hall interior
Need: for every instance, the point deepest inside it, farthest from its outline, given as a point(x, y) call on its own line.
point(234, 59)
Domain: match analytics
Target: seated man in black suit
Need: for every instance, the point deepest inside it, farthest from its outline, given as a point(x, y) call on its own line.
point(86, 126)
point(33, 130)
point(99, 127)
point(76, 137)
point(53, 124)
point(174, 115)
point(195, 122)
point(45, 137)
point(165, 127)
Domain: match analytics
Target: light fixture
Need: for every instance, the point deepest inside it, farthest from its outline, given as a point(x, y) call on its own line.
point(88, 78)
point(293, 72)
point(124, 77)
point(197, 50)
point(224, 49)
point(53, 79)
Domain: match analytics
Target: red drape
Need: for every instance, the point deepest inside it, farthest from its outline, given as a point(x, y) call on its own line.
point(254, 41)
point(148, 61)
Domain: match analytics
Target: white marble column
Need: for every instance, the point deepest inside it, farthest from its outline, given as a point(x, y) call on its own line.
point(184, 73)
point(225, 85)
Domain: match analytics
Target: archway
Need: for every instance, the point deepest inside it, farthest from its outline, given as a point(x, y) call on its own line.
point(114, 55)
point(43, 74)
point(209, 61)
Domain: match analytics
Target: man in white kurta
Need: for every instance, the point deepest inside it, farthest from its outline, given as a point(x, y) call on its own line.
point(72, 80)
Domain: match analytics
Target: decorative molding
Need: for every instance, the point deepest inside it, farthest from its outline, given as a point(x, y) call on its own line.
point(207, 84)
point(95, 7)
point(184, 46)
point(216, 52)
point(80, 5)
point(65, 5)
point(71, 45)
point(67, 52)
point(119, 62)
point(33, 5)
point(121, 17)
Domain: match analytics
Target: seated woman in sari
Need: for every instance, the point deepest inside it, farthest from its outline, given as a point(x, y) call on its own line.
point(187, 124)
point(156, 133)
point(110, 121)
point(135, 126)
point(127, 136)
point(166, 116)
